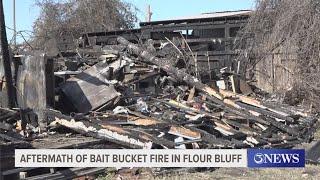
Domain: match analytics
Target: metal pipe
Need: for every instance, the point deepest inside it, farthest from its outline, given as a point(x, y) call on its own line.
point(14, 24)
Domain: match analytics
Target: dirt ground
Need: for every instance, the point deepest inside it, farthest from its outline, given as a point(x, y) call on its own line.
point(309, 172)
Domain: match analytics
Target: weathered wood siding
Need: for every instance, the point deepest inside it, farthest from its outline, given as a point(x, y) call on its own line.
point(275, 73)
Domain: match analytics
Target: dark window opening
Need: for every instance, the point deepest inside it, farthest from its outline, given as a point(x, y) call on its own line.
point(234, 31)
point(210, 33)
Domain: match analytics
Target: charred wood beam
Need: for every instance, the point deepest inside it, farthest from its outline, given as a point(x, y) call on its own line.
point(265, 112)
point(8, 117)
point(156, 140)
point(18, 143)
point(188, 141)
point(101, 133)
point(212, 139)
point(243, 128)
point(77, 141)
point(195, 25)
point(69, 173)
point(177, 105)
point(5, 126)
point(282, 127)
point(239, 112)
point(17, 170)
point(294, 111)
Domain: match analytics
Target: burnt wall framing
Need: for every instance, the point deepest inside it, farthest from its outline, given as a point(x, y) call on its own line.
point(212, 39)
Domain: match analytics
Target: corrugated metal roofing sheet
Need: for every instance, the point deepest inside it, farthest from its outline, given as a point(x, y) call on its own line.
point(211, 15)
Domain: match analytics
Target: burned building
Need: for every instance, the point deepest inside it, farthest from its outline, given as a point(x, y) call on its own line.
point(207, 39)
point(129, 89)
point(210, 38)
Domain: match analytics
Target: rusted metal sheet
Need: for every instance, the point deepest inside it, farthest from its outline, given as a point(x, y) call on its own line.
point(88, 90)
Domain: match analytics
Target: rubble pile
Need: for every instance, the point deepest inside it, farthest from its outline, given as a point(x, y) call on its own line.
point(133, 96)
point(139, 96)
point(177, 111)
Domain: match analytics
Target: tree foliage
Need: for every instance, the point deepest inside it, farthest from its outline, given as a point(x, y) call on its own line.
point(291, 27)
point(75, 17)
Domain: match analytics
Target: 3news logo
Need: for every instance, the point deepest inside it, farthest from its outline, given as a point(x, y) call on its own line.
point(276, 158)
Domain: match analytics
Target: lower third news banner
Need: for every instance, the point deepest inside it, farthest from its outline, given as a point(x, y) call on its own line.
point(252, 158)
point(130, 158)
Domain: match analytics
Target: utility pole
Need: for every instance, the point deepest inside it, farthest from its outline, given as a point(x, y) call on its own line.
point(6, 59)
point(149, 13)
point(14, 24)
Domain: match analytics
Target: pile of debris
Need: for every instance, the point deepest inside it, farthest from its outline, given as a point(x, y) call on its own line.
point(178, 111)
point(137, 96)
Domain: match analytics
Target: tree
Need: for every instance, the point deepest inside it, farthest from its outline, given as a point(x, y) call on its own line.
point(291, 27)
point(75, 17)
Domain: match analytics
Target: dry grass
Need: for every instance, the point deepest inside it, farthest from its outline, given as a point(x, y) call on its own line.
point(310, 172)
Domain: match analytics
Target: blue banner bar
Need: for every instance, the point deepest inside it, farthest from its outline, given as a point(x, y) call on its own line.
point(276, 158)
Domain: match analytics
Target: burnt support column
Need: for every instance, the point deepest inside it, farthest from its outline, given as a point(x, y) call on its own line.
point(6, 60)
